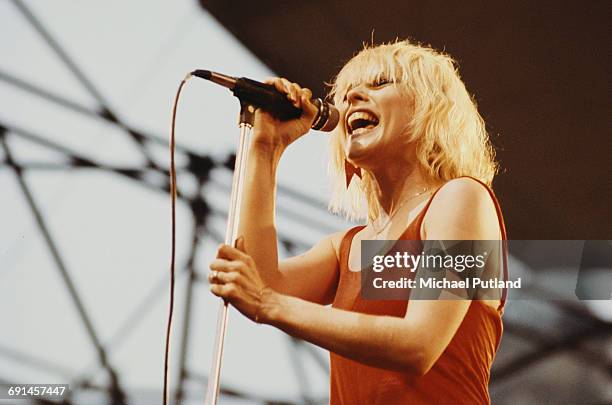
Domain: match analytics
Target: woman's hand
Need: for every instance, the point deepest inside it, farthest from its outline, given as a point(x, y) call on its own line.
point(234, 278)
point(271, 132)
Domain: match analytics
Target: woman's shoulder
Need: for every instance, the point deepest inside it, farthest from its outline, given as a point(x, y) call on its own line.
point(462, 209)
point(463, 190)
point(336, 239)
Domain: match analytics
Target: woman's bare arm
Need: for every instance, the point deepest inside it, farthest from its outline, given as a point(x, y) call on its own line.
point(312, 276)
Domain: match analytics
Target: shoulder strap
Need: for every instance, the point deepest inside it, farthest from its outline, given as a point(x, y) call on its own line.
point(345, 245)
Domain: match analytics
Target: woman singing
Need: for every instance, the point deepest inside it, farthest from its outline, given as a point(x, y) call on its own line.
point(409, 126)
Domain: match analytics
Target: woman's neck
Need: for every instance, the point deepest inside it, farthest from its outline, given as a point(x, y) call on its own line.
point(397, 184)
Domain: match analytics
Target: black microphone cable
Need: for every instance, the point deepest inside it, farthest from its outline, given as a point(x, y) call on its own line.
point(173, 254)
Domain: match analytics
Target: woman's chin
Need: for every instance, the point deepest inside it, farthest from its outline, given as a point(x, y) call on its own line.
point(362, 144)
point(357, 151)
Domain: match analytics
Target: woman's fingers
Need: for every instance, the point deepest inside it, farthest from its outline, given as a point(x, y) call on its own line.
point(269, 131)
point(286, 85)
point(295, 95)
point(231, 253)
point(306, 94)
point(308, 107)
point(224, 266)
point(218, 277)
point(299, 96)
point(281, 84)
point(225, 291)
point(234, 278)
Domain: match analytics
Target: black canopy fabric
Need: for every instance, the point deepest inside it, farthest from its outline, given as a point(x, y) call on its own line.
point(539, 72)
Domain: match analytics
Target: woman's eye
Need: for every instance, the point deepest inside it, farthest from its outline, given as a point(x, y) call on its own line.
point(380, 82)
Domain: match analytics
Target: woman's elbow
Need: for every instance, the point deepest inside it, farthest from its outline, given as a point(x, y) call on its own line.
point(418, 362)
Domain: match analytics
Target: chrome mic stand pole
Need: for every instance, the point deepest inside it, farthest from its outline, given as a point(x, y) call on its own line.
point(247, 116)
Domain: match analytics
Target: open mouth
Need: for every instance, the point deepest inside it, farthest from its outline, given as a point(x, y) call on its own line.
point(360, 122)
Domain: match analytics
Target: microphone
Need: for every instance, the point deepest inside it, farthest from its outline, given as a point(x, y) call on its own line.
point(267, 97)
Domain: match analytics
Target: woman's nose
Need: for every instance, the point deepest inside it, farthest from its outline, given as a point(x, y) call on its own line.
point(357, 93)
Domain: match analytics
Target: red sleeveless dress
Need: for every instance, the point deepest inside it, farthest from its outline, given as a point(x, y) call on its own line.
point(459, 376)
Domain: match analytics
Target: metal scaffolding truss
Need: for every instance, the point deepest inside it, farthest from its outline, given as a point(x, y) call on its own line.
point(151, 176)
point(148, 175)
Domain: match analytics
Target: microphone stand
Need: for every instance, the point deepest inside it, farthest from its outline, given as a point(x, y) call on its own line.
point(247, 116)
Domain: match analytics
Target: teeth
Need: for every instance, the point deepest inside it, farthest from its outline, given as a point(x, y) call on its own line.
point(363, 115)
point(357, 118)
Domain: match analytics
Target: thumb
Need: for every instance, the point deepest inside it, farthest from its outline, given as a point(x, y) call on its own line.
point(240, 244)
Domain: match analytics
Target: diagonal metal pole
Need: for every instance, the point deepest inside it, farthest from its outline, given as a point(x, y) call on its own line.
point(26, 359)
point(55, 46)
point(115, 390)
point(81, 77)
point(84, 111)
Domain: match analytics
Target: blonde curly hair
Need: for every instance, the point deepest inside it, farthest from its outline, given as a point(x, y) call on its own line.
point(450, 135)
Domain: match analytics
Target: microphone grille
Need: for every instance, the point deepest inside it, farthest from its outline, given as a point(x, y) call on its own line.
point(327, 117)
point(332, 120)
